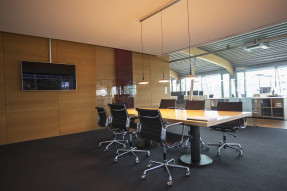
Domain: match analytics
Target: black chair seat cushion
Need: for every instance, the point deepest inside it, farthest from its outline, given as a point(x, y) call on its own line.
point(224, 128)
point(173, 139)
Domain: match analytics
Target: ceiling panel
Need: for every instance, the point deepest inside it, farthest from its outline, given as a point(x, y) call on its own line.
point(237, 56)
point(115, 24)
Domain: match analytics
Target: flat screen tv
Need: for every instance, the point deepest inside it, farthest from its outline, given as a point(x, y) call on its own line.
point(48, 76)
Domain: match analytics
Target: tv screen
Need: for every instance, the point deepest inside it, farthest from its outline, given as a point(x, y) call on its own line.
point(48, 76)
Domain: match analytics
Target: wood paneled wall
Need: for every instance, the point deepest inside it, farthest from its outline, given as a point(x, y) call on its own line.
point(150, 95)
point(2, 96)
point(28, 115)
point(40, 114)
point(105, 76)
point(76, 108)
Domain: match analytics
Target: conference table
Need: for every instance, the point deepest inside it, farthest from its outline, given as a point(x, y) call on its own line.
point(196, 119)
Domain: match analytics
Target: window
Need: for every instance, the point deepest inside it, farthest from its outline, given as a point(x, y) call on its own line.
point(260, 81)
point(240, 84)
point(225, 85)
point(212, 85)
point(281, 81)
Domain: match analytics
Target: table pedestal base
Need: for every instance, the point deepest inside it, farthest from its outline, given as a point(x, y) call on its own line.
point(204, 160)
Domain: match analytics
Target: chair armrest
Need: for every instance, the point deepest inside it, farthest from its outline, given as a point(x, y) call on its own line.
point(183, 127)
point(134, 117)
point(172, 108)
point(179, 123)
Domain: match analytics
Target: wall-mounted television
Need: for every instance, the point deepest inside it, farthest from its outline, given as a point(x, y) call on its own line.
point(48, 76)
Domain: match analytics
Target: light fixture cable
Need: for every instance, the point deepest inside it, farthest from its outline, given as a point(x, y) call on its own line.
point(143, 80)
point(163, 80)
point(191, 76)
point(142, 48)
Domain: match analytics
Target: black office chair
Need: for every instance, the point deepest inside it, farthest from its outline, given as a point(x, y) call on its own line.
point(167, 103)
point(151, 126)
point(195, 105)
point(103, 122)
point(121, 120)
point(229, 127)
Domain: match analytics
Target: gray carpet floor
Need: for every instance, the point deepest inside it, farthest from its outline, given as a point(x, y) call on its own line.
point(74, 162)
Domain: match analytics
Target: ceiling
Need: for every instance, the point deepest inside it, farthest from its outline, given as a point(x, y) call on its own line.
point(115, 24)
point(239, 58)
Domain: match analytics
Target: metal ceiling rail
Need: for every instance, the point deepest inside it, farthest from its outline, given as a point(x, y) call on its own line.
point(233, 47)
point(163, 7)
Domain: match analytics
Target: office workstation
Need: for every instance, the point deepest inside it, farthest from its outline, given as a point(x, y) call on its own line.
point(204, 91)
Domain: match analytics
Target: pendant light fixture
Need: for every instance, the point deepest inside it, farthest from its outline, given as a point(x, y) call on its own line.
point(143, 82)
point(164, 79)
point(191, 70)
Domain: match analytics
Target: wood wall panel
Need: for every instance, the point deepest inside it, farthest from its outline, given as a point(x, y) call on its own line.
point(143, 92)
point(23, 126)
point(22, 47)
point(82, 55)
point(29, 115)
point(74, 51)
point(76, 108)
point(2, 97)
point(157, 88)
point(105, 75)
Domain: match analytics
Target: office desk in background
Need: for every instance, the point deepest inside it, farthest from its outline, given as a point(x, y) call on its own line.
point(195, 158)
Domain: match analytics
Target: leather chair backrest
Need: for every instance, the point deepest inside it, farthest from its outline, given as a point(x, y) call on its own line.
point(195, 105)
point(119, 116)
point(231, 106)
point(102, 117)
point(166, 103)
point(151, 124)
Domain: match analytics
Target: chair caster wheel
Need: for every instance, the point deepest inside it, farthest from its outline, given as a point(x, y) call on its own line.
point(240, 153)
point(143, 176)
point(207, 148)
point(106, 149)
point(149, 165)
point(115, 160)
point(148, 154)
point(99, 145)
point(169, 183)
point(137, 161)
point(187, 173)
point(218, 154)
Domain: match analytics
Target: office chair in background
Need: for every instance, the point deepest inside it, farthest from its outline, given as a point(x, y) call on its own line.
point(229, 127)
point(195, 105)
point(121, 120)
point(104, 122)
point(167, 103)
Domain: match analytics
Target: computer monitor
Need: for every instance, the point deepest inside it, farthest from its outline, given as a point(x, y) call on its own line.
point(264, 90)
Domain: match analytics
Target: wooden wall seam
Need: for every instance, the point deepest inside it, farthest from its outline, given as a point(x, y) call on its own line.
point(150, 80)
point(4, 87)
point(55, 41)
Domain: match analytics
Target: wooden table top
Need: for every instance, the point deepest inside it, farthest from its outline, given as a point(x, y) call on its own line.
point(177, 115)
